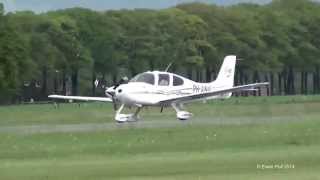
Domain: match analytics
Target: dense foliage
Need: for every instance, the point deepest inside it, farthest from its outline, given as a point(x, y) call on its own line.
point(65, 51)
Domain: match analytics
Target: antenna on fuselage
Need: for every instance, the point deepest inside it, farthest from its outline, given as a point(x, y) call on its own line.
point(169, 65)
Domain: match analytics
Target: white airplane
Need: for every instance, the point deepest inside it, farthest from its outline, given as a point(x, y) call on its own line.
point(157, 88)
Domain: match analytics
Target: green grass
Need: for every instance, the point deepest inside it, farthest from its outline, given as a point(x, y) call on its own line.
point(294, 106)
point(247, 132)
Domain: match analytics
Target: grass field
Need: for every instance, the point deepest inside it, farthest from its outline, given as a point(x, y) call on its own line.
point(240, 138)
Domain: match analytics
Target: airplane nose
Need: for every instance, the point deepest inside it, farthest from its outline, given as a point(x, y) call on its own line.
point(121, 93)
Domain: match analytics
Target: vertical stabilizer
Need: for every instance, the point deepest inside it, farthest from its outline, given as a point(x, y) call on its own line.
point(226, 74)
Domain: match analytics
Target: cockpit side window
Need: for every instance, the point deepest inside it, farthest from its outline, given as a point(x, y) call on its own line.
point(144, 77)
point(164, 80)
point(177, 81)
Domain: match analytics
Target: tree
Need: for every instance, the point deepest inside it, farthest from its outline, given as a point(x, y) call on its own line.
point(15, 63)
point(1, 9)
point(65, 36)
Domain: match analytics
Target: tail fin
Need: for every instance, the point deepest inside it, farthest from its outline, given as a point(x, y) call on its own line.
point(226, 74)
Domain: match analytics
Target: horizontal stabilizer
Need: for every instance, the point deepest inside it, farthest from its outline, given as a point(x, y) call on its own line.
point(254, 89)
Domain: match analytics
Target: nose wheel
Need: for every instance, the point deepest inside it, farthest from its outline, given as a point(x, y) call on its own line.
point(122, 118)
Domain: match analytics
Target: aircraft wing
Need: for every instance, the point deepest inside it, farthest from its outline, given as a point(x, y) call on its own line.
point(213, 93)
point(81, 98)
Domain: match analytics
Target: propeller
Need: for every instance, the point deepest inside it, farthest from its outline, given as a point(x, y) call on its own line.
point(111, 91)
point(123, 80)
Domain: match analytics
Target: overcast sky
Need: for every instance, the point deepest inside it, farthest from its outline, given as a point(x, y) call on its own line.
point(46, 5)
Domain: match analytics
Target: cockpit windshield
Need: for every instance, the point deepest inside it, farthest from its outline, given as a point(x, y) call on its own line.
point(144, 77)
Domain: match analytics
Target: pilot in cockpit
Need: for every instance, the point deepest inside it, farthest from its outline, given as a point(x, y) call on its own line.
point(163, 80)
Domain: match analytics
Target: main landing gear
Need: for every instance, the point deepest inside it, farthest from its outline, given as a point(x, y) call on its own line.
point(181, 115)
point(121, 118)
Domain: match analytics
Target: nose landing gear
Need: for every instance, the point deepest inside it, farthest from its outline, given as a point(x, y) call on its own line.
point(121, 118)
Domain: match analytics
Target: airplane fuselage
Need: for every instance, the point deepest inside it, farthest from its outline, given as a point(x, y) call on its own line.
point(149, 94)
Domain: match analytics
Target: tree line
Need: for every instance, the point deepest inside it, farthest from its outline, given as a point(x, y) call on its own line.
point(66, 51)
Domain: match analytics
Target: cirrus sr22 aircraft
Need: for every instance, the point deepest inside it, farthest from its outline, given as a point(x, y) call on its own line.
point(161, 89)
